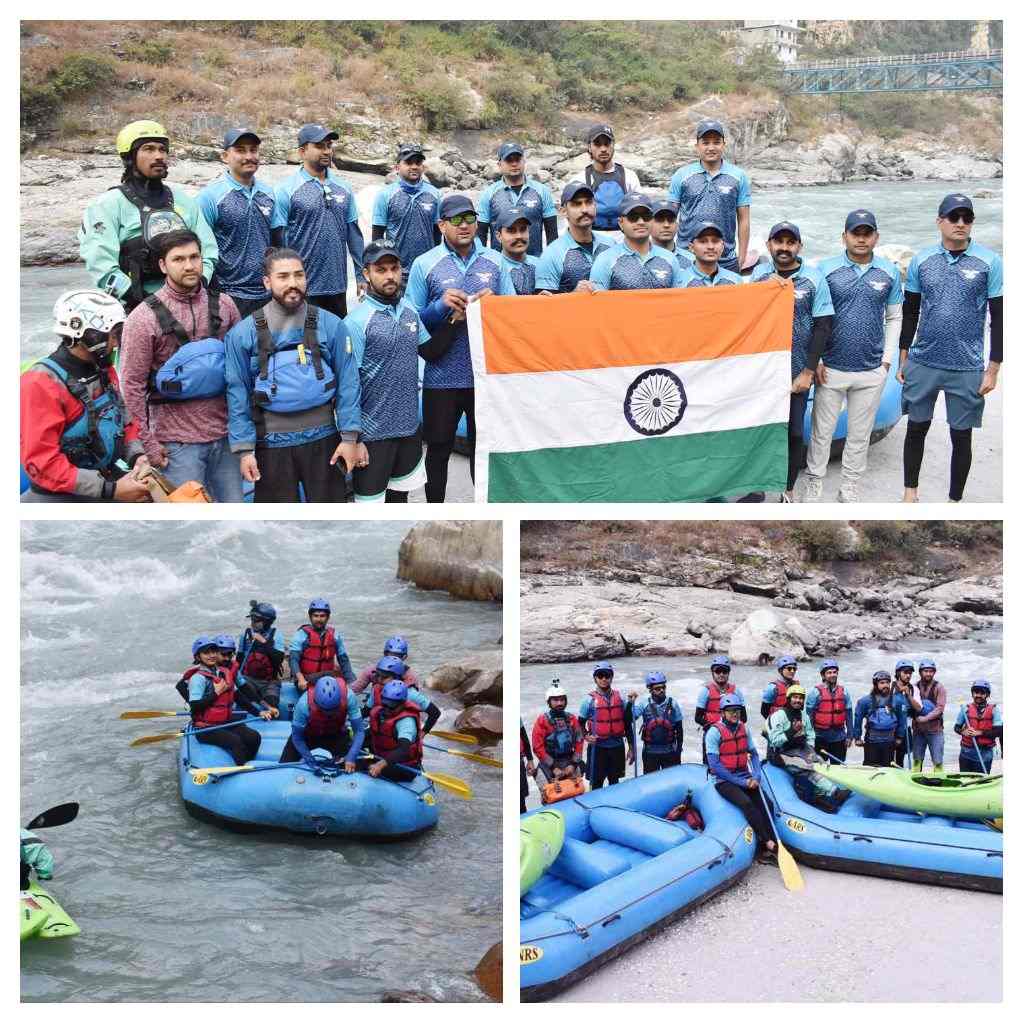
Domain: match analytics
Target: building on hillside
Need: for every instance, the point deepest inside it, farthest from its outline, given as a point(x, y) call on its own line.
point(781, 37)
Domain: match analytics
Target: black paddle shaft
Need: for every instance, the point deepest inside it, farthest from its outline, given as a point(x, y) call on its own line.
point(59, 815)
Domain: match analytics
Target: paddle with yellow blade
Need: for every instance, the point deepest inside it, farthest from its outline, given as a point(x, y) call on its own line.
point(791, 877)
point(161, 736)
point(479, 758)
point(454, 737)
point(153, 714)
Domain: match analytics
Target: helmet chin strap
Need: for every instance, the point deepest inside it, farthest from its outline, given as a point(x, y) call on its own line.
point(98, 348)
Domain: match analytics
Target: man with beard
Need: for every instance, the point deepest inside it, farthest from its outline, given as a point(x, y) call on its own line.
point(661, 724)
point(175, 339)
point(515, 189)
point(902, 685)
point(512, 229)
point(557, 738)
point(928, 708)
point(607, 724)
point(317, 649)
point(608, 181)
point(387, 333)
point(315, 214)
point(565, 264)
point(831, 712)
point(239, 209)
point(293, 392)
point(663, 231)
point(980, 725)
point(634, 263)
point(118, 229)
point(879, 718)
point(812, 329)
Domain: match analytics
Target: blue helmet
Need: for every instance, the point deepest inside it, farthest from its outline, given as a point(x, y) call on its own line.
point(394, 692)
point(224, 642)
point(260, 610)
point(981, 684)
point(927, 707)
point(730, 700)
point(396, 645)
point(720, 661)
point(202, 642)
point(785, 661)
point(327, 693)
point(392, 666)
point(318, 604)
point(604, 666)
point(902, 664)
point(655, 679)
point(827, 664)
point(926, 663)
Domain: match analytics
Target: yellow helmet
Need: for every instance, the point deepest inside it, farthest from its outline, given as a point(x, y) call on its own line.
point(795, 688)
point(132, 133)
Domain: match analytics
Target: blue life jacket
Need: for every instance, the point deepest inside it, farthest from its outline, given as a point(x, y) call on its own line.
point(560, 742)
point(608, 194)
point(882, 721)
point(291, 379)
point(658, 728)
point(95, 439)
point(196, 370)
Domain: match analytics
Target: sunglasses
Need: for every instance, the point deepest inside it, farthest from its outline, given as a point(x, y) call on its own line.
point(720, 671)
point(602, 675)
point(462, 218)
point(634, 215)
point(960, 216)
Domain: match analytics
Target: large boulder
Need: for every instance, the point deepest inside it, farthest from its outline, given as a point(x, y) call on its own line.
point(478, 681)
point(763, 635)
point(980, 594)
point(483, 720)
point(461, 557)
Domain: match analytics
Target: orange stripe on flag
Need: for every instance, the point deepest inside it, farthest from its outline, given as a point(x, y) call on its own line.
point(537, 333)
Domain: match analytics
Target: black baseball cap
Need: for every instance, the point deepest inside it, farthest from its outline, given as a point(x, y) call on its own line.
point(380, 248)
point(709, 124)
point(861, 218)
point(665, 206)
point(506, 149)
point(408, 149)
point(232, 135)
point(955, 201)
point(315, 133)
point(785, 225)
point(708, 225)
point(508, 217)
point(634, 201)
point(600, 129)
point(452, 205)
point(573, 189)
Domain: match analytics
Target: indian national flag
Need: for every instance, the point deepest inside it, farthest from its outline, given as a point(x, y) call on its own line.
point(679, 394)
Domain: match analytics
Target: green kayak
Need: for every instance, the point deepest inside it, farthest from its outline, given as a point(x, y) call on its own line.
point(956, 795)
point(540, 841)
point(41, 915)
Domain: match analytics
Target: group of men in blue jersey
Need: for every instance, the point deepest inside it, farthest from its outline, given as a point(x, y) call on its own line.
point(895, 723)
point(245, 366)
point(381, 710)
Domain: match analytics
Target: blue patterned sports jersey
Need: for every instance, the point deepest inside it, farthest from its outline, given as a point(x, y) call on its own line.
point(385, 343)
point(241, 220)
point(315, 216)
point(523, 275)
point(955, 289)
point(532, 197)
point(430, 277)
point(811, 298)
point(564, 263)
point(860, 293)
point(409, 216)
point(683, 257)
point(620, 268)
point(702, 197)
point(694, 278)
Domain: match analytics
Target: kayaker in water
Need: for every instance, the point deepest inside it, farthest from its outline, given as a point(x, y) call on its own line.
point(710, 695)
point(211, 697)
point(603, 716)
point(733, 760)
point(660, 721)
point(394, 647)
point(558, 738)
point(831, 711)
point(791, 747)
point(526, 766)
point(395, 735)
point(879, 718)
point(327, 715)
point(928, 732)
point(316, 650)
point(903, 687)
point(260, 653)
point(979, 723)
point(389, 670)
point(35, 855)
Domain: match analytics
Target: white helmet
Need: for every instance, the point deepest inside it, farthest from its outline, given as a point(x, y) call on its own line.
point(555, 690)
point(84, 309)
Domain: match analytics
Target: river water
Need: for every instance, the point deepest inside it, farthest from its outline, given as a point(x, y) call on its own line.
point(174, 909)
point(905, 212)
point(849, 925)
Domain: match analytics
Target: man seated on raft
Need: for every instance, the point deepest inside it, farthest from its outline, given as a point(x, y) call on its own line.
point(327, 715)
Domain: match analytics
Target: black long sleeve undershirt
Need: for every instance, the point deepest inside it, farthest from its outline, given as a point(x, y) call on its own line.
point(820, 337)
point(441, 338)
point(550, 229)
point(433, 714)
point(912, 314)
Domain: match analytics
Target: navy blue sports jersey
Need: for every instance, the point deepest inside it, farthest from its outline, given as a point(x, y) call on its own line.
point(533, 198)
point(409, 216)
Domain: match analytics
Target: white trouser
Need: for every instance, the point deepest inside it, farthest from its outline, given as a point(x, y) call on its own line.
point(862, 391)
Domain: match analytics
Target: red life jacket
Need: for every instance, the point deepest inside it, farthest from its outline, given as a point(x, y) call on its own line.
point(779, 700)
point(831, 710)
point(219, 711)
point(732, 747)
point(715, 695)
point(377, 687)
point(609, 717)
point(257, 662)
point(979, 721)
point(382, 732)
point(658, 727)
point(323, 722)
point(320, 651)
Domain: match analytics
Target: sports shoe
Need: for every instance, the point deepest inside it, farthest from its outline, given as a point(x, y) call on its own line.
point(812, 488)
point(848, 494)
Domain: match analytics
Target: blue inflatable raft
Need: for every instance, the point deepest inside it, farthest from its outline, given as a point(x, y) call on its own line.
point(890, 411)
point(624, 873)
point(293, 798)
point(868, 838)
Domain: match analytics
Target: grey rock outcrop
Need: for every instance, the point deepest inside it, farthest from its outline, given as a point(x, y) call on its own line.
point(462, 557)
point(762, 637)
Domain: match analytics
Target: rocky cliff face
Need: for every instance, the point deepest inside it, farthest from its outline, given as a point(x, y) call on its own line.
point(461, 557)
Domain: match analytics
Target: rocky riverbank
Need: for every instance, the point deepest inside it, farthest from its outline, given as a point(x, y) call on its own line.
point(461, 557)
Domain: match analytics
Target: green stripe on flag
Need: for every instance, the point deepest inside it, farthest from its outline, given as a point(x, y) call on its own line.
point(692, 467)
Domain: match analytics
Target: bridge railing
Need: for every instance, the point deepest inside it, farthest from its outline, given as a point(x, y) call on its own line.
point(904, 59)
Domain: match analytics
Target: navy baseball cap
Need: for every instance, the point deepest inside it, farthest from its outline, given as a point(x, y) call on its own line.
point(708, 225)
point(452, 205)
point(861, 218)
point(665, 206)
point(315, 133)
point(408, 149)
point(598, 130)
point(955, 201)
point(709, 125)
point(634, 201)
point(785, 225)
point(506, 149)
point(573, 189)
point(508, 217)
point(232, 135)
point(380, 248)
